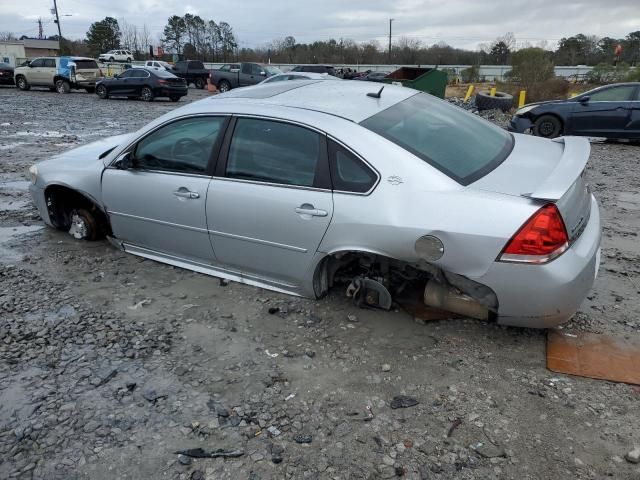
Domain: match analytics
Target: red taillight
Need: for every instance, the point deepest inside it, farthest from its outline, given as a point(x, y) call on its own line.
point(542, 238)
point(101, 74)
point(162, 82)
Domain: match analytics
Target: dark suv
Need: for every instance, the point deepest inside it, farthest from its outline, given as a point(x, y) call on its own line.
point(315, 69)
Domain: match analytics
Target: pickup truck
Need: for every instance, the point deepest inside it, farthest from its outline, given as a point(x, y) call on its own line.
point(232, 75)
point(192, 71)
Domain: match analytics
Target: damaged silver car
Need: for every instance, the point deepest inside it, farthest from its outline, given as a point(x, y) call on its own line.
point(302, 186)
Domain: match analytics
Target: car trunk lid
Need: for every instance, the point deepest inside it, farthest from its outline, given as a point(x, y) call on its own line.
point(549, 171)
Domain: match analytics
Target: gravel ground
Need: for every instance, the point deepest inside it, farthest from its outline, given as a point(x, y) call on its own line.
point(109, 363)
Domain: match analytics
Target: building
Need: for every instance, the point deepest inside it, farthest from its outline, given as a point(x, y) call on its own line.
point(17, 51)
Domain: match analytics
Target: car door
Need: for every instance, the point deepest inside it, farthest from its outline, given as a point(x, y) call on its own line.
point(633, 127)
point(603, 113)
point(124, 84)
point(35, 74)
point(155, 192)
point(244, 78)
point(139, 78)
point(270, 203)
point(48, 72)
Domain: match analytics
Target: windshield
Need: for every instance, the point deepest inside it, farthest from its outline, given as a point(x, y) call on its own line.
point(272, 70)
point(459, 144)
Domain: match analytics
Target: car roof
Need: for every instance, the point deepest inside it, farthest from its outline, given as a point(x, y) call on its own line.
point(343, 99)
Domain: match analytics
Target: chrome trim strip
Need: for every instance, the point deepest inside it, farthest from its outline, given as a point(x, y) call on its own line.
point(259, 241)
point(214, 271)
point(269, 184)
point(160, 222)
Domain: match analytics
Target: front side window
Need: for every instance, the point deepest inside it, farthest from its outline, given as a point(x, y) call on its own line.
point(139, 74)
point(49, 63)
point(613, 94)
point(126, 74)
point(348, 172)
point(37, 63)
point(459, 144)
point(196, 66)
point(274, 152)
point(184, 146)
point(246, 68)
point(225, 68)
point(256, 69)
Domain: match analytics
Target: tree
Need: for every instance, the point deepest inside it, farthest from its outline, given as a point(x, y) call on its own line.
point(289, 45)
point(213, 38)
point(531, 66)
point(7, 37)
point(103, 36)
point(174, 33)
point(499, 53)
point(631, 48)
point(228, 42)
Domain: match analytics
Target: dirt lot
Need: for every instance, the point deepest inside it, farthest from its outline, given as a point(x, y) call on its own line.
point(110, 363)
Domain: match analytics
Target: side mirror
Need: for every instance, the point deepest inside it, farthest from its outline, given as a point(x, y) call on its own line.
point(125, 162)
point(584, 100)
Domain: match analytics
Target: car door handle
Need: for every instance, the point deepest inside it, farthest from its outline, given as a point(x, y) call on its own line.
point(186, 194)
point(309, 210)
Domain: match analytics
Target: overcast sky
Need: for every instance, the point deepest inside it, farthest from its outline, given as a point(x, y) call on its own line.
point(461, 23)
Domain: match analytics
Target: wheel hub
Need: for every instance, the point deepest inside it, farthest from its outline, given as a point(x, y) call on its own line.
point(546, 128)
point(79, 228)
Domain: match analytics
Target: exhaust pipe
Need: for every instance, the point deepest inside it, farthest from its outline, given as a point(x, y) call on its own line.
point(447, 298)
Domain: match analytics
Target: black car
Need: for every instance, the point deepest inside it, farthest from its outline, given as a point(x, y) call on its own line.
point(612, 111)
point(143, 83)
point(6, 74)
point(373, 77)
point(315, 69)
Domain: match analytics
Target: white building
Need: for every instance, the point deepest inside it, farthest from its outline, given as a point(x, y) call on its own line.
point(17, 51)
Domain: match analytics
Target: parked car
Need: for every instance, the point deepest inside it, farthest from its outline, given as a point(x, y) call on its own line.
point(298, 76)
point(159, 64)
point(6, 74)
point(59, 74)
point(328, 69)
point(192, 71)
point(612, 111)
point(373, 77)
point(143, 83)
point(232, 75)
point(116, 56)
point(302, 186)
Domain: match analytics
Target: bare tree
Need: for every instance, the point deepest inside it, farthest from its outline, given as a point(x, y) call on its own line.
point(7, 37)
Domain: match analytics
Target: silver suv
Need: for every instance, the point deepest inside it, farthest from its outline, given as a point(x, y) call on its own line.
point(60, 74)
point(116, 56)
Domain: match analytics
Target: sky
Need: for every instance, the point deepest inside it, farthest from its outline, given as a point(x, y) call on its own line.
point(460, 23)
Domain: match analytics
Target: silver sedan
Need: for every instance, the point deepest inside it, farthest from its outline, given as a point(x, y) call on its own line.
point(303, 186)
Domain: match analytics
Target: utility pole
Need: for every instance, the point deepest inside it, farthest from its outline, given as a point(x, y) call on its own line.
point(57, 20)
point(40, 32)
point(390, 20)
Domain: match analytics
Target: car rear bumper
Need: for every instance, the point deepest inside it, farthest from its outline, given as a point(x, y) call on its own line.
point(519, 124)
point(544, 296)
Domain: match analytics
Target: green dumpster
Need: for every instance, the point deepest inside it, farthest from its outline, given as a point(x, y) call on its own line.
point(429, 80)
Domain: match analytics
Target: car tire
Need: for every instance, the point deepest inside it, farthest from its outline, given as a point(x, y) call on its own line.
point(146, 94)
point(547, 126)
point(102, 92)
point(129, 60)
point(224, 86)
point(501, 101)
point(83, 225)
point(62, 86)
point(90, 89)
point(22, 83)
point(111, 59)
point(199, 83)
point(174, 98)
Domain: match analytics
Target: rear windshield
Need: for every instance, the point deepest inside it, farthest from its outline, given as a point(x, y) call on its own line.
point(85, 64)
point(163, 74)
point(459, 144)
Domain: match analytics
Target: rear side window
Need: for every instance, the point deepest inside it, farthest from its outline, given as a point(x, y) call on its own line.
point(86, 64)
point(274, 152)
point(49, 63)
point(459, 144)
point(348, 172)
